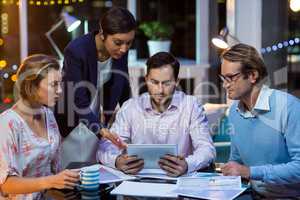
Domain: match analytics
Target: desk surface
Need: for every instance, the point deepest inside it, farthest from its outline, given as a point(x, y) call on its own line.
point(104, 191)
point(104, 194)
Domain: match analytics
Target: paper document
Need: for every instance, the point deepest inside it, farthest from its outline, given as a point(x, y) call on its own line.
point(157, 176)
point(205, 174)
point(210, 182)
point(210, 187)
point(109, 175)
point(216, 194)
point(151, 171)
point(165, 177)
point(141, 189)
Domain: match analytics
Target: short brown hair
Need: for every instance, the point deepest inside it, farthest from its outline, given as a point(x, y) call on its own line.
point(248, 57)
point(161, 59)
point(32, 71)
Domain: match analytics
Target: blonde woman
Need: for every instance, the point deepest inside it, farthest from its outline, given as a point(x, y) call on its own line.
point(30, 139)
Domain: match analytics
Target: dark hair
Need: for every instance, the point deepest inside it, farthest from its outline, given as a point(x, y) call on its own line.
point(163, 58)
point(248, 57)
point(32, 71)
point(117, 20)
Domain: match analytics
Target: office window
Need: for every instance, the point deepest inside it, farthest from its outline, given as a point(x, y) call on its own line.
point(180, 14)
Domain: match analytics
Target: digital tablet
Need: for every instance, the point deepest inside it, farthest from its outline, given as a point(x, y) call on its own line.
point(151, 153)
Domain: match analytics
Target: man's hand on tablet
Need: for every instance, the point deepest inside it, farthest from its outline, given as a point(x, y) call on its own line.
point(174, 165)
point(129, 164)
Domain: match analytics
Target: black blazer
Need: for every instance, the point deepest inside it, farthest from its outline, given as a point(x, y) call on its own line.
point(80, 70)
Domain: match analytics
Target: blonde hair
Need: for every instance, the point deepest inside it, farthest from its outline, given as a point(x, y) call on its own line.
point(248, 57)
point(31, 72)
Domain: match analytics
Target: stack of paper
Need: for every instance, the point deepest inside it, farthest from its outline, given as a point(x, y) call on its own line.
point(210, 187)
point(216, 194)
point(197, 185)
point(210, 182)
point(109, 175)
point(140, 189)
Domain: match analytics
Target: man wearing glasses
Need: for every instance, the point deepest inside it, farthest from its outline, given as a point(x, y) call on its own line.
point(162, 115)
point(265, 134)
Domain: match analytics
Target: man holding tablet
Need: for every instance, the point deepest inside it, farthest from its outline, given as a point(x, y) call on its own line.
point(162, 115)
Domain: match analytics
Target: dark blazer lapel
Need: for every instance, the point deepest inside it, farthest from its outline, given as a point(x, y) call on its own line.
point(92, 58)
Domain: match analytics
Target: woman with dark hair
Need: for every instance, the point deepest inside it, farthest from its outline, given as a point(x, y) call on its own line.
point(95, 81)
point(30, 140)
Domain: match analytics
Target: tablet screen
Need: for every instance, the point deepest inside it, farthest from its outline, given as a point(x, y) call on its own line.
point(151, 153)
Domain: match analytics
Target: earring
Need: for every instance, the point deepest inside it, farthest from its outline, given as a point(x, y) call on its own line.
point(102, 37)
point(101, 33)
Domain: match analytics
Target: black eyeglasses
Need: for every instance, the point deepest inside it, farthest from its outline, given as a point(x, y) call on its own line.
point(229, 78)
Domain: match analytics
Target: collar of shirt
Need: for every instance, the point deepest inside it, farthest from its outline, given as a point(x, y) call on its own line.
point(176, 99)
point(262, 103)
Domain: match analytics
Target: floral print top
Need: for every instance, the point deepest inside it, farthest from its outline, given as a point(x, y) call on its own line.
point(25, 154)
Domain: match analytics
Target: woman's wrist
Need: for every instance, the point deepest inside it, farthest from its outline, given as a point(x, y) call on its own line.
point(47, 182)
point(103, 132)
